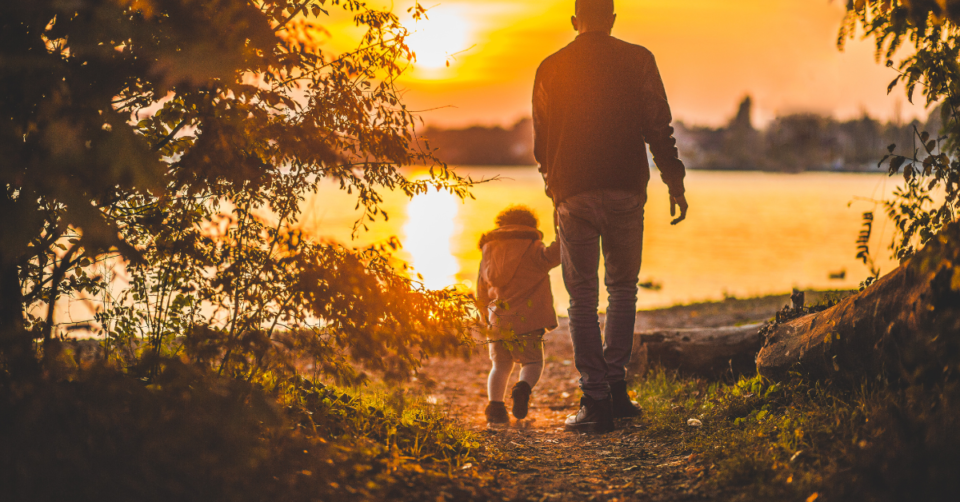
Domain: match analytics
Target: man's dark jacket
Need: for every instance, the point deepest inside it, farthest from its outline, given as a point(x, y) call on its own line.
point(595, 103)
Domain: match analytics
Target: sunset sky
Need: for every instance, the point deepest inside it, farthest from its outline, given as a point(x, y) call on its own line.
point(711, 53)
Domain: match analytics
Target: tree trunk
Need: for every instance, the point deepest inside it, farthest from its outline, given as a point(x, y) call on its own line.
point(904, 327)
point(706, 352)
point(11, 300)
point(16, 346)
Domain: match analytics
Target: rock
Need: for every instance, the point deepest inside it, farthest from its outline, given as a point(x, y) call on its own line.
point(707, 352)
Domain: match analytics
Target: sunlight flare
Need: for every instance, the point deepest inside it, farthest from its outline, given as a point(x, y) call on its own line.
point(436, 40)
point(429, 232)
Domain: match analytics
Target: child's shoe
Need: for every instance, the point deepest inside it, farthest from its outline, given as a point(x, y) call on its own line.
point(521, 399)
point(497, 413)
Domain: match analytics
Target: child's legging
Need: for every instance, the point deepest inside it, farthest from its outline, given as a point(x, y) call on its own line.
point(500, 374)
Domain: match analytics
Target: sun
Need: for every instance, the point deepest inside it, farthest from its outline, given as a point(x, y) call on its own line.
point(437, 39)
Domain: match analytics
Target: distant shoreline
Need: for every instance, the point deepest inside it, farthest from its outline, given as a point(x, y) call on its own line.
point(865, 170)
point(786, 144)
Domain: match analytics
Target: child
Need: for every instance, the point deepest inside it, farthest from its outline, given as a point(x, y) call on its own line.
point(513, 291)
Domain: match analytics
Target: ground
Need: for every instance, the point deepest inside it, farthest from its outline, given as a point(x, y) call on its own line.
point(535, 459)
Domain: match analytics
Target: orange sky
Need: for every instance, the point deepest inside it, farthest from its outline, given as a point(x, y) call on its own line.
point(711, 53)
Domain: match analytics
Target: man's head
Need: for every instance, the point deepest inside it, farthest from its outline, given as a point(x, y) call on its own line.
point(593, 15)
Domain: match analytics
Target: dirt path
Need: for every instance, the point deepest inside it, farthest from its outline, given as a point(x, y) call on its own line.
point(536, 459)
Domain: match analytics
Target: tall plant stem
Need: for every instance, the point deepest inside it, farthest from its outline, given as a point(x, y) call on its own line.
point(58, 273)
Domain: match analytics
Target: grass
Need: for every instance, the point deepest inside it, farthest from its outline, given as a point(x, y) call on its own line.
point(406, 425)
point(761, 440)
point(100, 434)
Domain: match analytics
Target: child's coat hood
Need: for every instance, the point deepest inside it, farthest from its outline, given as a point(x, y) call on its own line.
point(504, 248)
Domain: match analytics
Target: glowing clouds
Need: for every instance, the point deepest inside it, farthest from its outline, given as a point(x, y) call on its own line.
point(428, 234)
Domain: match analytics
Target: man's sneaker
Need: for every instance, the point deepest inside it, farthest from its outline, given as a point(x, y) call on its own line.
point(521, 399)
point(594, 416)
point(497, 413)
point(621, 404)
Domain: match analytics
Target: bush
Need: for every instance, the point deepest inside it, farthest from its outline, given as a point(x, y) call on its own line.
point(761, 440)
point(189, 435)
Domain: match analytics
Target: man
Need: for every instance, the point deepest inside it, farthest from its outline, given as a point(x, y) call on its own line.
point(595, 103)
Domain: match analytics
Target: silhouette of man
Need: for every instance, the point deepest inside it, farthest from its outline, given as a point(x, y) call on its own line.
point(595, 103)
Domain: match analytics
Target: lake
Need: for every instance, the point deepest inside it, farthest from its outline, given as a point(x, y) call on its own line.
point(746, 234)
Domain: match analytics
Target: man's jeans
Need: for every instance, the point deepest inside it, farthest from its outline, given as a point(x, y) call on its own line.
point(611, 220)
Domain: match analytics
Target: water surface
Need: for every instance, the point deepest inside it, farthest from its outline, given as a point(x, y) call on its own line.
point(747, 233)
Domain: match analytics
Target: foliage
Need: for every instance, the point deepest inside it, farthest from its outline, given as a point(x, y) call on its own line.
point(761, 440)
point(168, 145)
point(863, 250)
point(930, 166)
point(101, 434)
point(157, 155)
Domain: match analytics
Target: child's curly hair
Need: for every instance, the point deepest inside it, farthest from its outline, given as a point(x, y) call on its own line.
point(517, 215)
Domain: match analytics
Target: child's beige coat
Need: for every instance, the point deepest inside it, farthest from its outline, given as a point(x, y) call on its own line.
point(513, 287)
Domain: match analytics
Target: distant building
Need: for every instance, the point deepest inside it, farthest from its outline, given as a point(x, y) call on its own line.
point(791, 143)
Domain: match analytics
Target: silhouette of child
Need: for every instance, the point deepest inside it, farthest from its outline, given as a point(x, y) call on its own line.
point(516, 303)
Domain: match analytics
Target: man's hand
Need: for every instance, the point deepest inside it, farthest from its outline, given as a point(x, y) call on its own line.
point(678, 201)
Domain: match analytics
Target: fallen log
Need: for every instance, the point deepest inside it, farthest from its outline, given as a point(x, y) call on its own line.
point(706, 352)
point(903, 327)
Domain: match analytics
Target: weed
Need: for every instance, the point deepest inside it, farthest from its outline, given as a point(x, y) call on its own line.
point(761, 440)
point(191, 435)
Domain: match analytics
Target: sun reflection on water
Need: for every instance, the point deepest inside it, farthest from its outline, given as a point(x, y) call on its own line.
point(428, 237)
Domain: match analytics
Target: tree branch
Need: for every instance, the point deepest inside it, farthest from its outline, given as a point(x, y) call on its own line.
point(293, 15)
point(58, 272)
point(168, 138)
